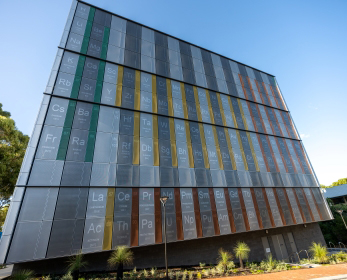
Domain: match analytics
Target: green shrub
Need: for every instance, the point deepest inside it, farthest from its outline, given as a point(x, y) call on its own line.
point(319, 252)
point(241, 251)
point(67, 276)
point(198, 275)
point(338, 257)
point(269, 264)
point(23, 275)
point(202, 265)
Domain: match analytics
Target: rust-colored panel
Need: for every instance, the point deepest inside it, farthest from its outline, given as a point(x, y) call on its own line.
point(251, 89)
point(288, 203)
point(230, 211)
point(259, 114)
point(279, 207)
point(299, 206)
point(268, 207)
point(315, 203)
point(308, 205)
point(157, 214)
point(134, 236)
point(276, 120)
point(256, 208)
point(297, 156)
point(178, 210)
point(197, 212)
point(243, 87)
point(260, 93)
point(243, 208)
point(214, 212)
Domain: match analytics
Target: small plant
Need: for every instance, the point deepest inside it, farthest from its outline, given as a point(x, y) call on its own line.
point(206, 272)
point(198, 275)
point(121, 256)
point(190, 275)
point(338, 257)
point(23, 275)
point(269, 264)
point(280, 266)
point(171, 274)
point(154, 272)
point(202, 265)
point(224, 257)
point(48, 277)
point(178, 274)
point(319, 252)
point(241, 251)
point(184, 275)
point(67, 276)
point(75, 263)
point(213, 272)
point(145, 273)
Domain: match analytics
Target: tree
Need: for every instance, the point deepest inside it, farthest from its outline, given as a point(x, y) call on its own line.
point(121, 256)
point(3, 213)
point(12, 149)
point(339, 182)
point(224, 259)
point(241, 251)
point(334, 231)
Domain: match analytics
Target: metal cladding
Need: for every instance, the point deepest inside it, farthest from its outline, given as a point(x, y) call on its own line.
point(130, 114)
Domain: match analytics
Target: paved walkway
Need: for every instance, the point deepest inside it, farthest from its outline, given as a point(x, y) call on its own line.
point(5, 272)
point(322, 272)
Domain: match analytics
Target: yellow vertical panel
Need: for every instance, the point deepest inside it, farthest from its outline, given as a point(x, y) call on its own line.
point(107, 241)
point(119, 86)
point(189, 145)
point(232, 112)
point(155, 141)
point(209, 106)
point(172, 129)
point(253, 151)
point(136, 144)
point(242, 114)
point(154, 95)
point(184, 101)
point(217, 147)
point(221, 109)
point(197, 104)
point(137, 90)
point(169, 97)
point(233, 162)
point(203, 144)
point(242, 151)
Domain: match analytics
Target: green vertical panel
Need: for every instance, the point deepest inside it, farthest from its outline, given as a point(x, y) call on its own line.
point(105, 43)
point(88, 30)
point(91, 14)
point(94, 118)
point(85, 43)
point(76, 86)
point(90, 146)
point(80, 65)
point(64, 142)
point(70, 113)
point(101, 71)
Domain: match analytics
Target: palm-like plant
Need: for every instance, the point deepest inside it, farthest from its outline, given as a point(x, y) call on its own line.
point(241, 251)
point(319, 252)
point(75, 263)
point(121, 256)
point(224, 258)
point(23, 275)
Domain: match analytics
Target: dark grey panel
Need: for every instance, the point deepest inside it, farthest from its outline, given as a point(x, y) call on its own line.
point(29, 241)
point(207, 223)
point(262, 208)
point(121, 231)
point(168, 177)
point(198, 156)
point(320, 202)
point(189, 225)
point(123, 201)
point(163, 128)
point(165, 156)
point(97, 32)
point(66, 238)
point(303, 204)
point(76, 173)
point(91, 67)
point(187, 177)
point(171, 229)
point(49, 142)
point(46, 173)
point(83, 115)
point(194, 132)
point(223, 221)
point(57, 111)
point(284, 206)
point(311, 204)
point(203, 177)
point(94, 48)
point(294, 206)
point(128, 97)
point(163, 106)
point(273, 206)
point(182, 154)
point(232, 178)
point(77, 145)
point(38, 204)
point(204, 199)
point(87, 89)
point(124, 175)
point(236, 209)
point(71, 203)
point(170, 203)
point(126, 124)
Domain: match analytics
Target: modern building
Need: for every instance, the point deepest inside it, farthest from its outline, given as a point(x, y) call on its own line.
point(131, 114)
point(336, 194)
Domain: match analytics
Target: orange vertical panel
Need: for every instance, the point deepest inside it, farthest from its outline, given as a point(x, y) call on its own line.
point(157, 214)
point(178, 209)
point(256, 208)
point(243, 208)
point(279, 207)
point(134, 235)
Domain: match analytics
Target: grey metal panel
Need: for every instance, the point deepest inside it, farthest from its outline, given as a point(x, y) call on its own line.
point(11, 217)
point(146, 151)
point(124, 175)
point(82, 10)
point(311, 204)
point(212, 157)
point(146, 229)
point(87, 89)
point(171, 228)
point(187, 177)
point(168, 177)
point(121, 231)
point(74, 42)
point(109, 94)
point(146, 201)
point(163, 105)
point(111, 73)
point(178, 108)
point(203, 177)
point(100, 174)
point(146, 125)
point(198, 156)
point(57, 112)
point(236, 208)
point(78, 25)
point(223, 221)
point(125, 149)
point(176, 90)
point(77, 145)
point(170, 203)
point(66, 238)
point(109, 119)
point(189, 225)
point(117, 38)
point(76, 173)
point(232, 178)
point(273, 206)
point(180, 130)
point(96, 206)
point(38, 204)
point(165, 156)
point(94, 48)
point(49, 142)
point(149, 176)
point(218, 178)
point(29, 241)
point(294, 206)
point(97, 32)
point(71, 203)
point(123, 202)
point(106, 146)
point(146, 101)
point(207, 223)
point(115, 54)
point(303, 204)
point(187, 203)
point(93, 235)
point(46, 173)
point(128, 97)
point(265, 218)
point(118, 23)
point(91, 68)
point(204, 199)
point(83, 115)
point(163, 128)
point(182, 154)
point(126, 124)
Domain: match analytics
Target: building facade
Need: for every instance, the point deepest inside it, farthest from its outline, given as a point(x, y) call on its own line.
point(337, 194)
point(131, 114)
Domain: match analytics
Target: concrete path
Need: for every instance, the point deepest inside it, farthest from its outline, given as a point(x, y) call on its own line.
point(5, 272)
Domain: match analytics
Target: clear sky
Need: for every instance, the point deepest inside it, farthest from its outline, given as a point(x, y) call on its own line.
point(302, 43)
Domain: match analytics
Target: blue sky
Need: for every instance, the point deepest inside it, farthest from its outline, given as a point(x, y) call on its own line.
point(302, 43)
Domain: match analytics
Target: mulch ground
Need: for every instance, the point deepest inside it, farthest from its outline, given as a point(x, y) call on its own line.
point(310, 273)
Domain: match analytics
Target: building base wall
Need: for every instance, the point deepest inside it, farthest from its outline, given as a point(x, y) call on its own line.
point(191, 252)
